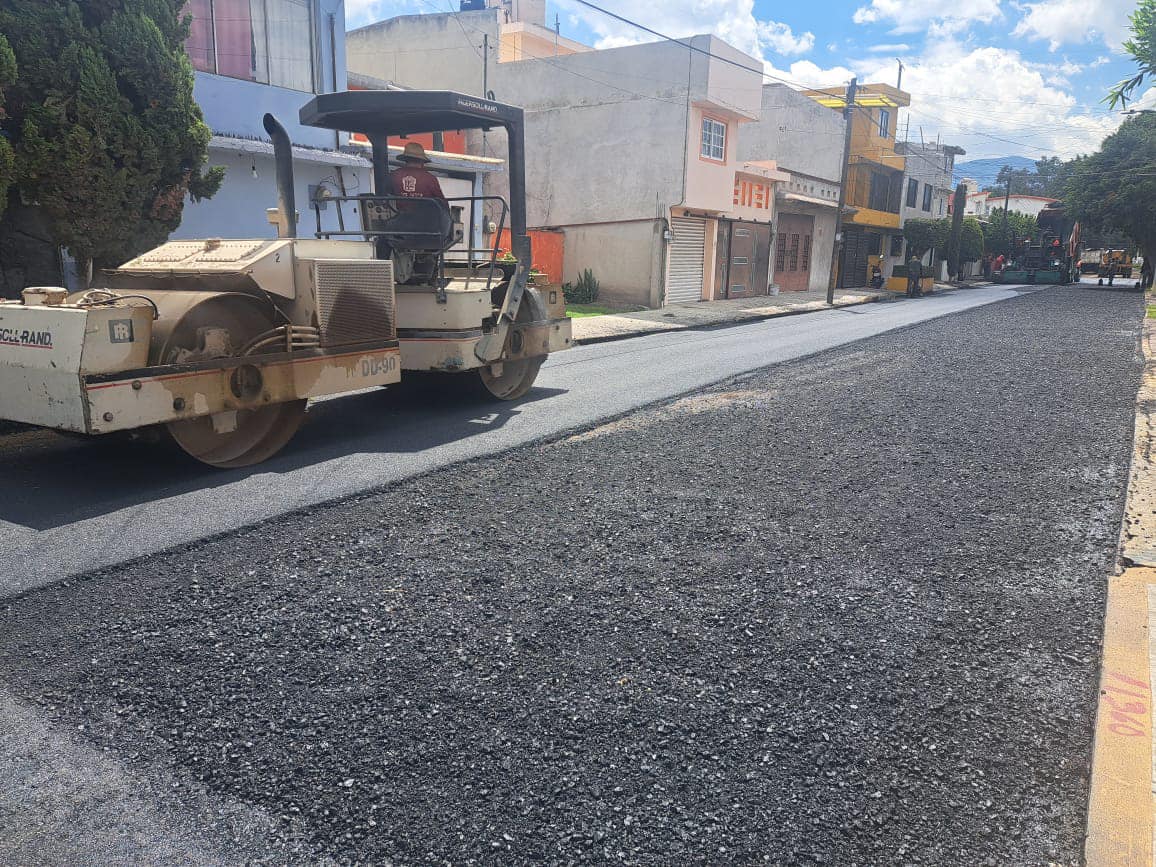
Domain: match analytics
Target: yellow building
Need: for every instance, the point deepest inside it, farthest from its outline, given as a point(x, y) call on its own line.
point(872, 227)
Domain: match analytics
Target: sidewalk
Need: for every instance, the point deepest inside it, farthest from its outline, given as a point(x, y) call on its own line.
point(707, 314)
point(1121, 800)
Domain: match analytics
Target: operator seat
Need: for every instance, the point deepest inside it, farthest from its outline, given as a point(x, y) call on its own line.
point(413, 233)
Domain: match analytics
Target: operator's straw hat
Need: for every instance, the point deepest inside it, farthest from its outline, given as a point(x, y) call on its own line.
point(413, 152)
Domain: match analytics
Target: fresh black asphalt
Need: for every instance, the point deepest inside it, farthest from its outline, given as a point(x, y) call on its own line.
point(844, 610)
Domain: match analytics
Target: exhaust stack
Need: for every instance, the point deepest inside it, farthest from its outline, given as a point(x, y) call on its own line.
point(283, 158)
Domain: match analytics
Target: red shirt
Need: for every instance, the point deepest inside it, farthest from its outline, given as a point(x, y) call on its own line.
point(414, 182)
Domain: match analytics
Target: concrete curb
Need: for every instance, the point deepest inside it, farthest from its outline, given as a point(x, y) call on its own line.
point(710, 326)
point(1121, 803)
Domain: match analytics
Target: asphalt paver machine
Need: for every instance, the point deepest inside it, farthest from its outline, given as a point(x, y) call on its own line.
point(221, 343)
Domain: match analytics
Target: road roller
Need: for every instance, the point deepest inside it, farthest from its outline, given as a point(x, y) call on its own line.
point(221, 343)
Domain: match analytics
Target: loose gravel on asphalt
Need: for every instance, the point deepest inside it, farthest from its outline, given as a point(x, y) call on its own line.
point(843, 611)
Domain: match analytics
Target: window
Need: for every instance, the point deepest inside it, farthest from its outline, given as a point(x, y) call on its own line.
point(896, 245)
point(714, 140)
point(884, 123)
point(794, 253)
point(781, 251)
point(270, 41)
point(927, 197)
point(874, 244)
point(806, 265)
point(879, 194)
point(912, 191)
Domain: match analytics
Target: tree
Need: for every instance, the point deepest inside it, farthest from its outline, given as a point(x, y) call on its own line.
point(7, 157)
point(1001, 228)
point(1115, 188)
point(970, 240)
point(924, 235)
point(1142, 47)
point(105, 135)
point(958, 203)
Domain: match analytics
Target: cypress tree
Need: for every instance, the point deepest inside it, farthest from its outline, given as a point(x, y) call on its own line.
point(100, 129)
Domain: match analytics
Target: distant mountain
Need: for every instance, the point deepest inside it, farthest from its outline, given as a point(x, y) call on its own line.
point(984, 172)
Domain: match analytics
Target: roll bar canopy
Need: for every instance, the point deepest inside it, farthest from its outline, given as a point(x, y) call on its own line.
point(378, 114)
point(406, 112)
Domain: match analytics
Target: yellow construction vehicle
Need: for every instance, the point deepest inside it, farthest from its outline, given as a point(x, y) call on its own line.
point(1115, 263)
point(222, 343)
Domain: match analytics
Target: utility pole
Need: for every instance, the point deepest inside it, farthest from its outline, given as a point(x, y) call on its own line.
point(557, 32)
point(485, 65)
point(899, 80)
point(848, 112)
point(1006, 215)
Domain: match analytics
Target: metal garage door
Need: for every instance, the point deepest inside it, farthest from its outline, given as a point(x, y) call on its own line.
point(684, 280)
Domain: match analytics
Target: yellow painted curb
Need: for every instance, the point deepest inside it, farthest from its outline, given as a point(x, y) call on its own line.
point(1120, 803)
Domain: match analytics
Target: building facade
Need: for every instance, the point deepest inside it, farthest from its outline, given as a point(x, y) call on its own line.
point(927, 189)
point(256, 56)
point(632, 152)
point(806, 141)
point(872, 221)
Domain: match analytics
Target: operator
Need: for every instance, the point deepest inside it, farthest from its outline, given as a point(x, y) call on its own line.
point(412, 180)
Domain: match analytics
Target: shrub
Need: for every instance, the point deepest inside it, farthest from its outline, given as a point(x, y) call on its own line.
point(585, 291)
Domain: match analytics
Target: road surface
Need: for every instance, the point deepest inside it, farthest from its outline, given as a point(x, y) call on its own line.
point(844, 610)
point(73, 505)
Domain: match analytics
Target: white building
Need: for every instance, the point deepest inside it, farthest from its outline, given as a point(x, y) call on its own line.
point(632, 153)
point(983, 204)
point(927, 188)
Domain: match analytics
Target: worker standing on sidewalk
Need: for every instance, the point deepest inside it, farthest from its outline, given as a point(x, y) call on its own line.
point(914, 276)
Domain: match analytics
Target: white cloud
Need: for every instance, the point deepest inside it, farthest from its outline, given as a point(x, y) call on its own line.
point(780, 38)
point(361, 12)
point(733, 21)
point(890, 48)
point(358, 13)
point(1018, 110)
point(804, 73)
point(911, 16)
point(1066, 22)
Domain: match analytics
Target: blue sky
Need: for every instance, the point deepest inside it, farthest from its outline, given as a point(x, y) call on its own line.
point(992, 76)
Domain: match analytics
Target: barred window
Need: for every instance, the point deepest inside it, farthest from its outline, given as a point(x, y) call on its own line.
point(781, 252)
point(714, 139)
point(806, 266)
point(794, 253)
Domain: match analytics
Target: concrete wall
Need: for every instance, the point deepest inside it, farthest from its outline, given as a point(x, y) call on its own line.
point(234, 107)
point(625, 257)
point(432, 52)
point(598, 152)
point(795, 131)
point(710, 184)
point(725, 85)
point(238, 209)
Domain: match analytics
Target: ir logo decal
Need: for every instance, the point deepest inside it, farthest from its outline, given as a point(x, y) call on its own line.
point(120, 331)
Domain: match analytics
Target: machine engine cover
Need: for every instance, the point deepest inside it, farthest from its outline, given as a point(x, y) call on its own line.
point(46, 351)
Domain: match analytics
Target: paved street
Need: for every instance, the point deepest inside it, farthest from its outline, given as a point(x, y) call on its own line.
point(842, 610)
point(72, 505)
